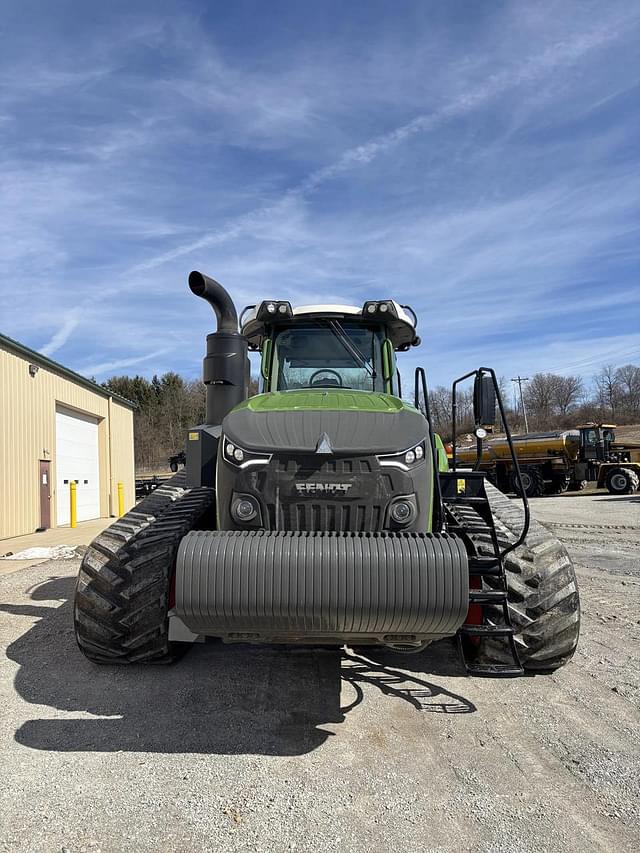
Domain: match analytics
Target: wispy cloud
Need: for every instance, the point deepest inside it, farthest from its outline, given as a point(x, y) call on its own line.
point(485, 173)
point(69, 323)
point(100, 369)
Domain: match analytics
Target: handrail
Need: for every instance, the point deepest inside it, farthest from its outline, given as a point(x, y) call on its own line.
point(420, 380)
point(527, 514)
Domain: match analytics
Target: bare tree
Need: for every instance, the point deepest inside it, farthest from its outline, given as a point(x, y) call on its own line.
point(566, 392)
point(538, 396)
point(608, 389)
point(440, 405)
point(627, 378)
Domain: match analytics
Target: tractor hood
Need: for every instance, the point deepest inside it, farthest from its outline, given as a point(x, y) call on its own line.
point(325, 422)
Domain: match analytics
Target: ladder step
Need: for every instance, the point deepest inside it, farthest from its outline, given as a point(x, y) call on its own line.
point(486, 630)
point(488, 566)
point(486, 572)
point(487, 596)
point(463, 499)
point(468, 529)
point(491, 670)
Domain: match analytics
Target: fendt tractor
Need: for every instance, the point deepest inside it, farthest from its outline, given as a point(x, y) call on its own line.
point(323, 512)
point(552, 462)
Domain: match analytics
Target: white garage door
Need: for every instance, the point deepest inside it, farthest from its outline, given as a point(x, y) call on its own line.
point(77, 459)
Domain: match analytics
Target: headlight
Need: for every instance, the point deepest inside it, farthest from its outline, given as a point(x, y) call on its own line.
point(242, 458)
point(405, 460)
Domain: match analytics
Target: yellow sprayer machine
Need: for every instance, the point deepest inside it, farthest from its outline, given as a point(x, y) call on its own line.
point(552, 462)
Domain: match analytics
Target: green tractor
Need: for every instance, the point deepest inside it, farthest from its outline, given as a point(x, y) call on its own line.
point(323, 512)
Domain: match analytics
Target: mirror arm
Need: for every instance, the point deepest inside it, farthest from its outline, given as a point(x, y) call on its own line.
point(479, 442)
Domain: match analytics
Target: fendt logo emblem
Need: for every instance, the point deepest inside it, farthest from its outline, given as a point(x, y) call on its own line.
point(323, 488)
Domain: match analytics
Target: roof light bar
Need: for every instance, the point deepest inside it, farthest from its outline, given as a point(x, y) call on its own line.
point(270, 308)
point(384, 307)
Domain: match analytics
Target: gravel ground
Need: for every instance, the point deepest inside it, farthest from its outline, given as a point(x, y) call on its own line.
point(240, 748)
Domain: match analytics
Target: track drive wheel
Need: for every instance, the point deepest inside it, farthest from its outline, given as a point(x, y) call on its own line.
point(622, 481)
point(123, 589)
point(532, 480)
point(543, 600)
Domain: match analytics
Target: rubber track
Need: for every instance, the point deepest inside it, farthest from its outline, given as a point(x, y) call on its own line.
point(543, 598)
point(121, 599)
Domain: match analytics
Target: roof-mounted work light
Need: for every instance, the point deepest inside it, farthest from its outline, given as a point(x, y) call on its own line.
point(271, 309)
point(380, 309)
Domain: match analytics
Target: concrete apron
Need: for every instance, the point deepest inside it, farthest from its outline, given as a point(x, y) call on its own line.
point(83, 534)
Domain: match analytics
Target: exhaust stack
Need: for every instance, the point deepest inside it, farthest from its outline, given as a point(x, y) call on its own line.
point(226, 364)
point(214, 293)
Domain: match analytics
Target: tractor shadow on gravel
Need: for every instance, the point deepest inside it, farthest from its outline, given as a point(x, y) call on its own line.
point(218, 699)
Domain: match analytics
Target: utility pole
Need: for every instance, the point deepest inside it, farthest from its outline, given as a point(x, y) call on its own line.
point(520, 380)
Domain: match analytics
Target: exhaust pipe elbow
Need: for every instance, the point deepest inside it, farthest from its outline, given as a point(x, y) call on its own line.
point(215, 294)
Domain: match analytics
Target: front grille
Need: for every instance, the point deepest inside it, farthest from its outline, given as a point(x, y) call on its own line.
point(326, 515)
point(361, 510)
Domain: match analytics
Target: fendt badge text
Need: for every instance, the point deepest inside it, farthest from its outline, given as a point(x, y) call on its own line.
point(323, 488)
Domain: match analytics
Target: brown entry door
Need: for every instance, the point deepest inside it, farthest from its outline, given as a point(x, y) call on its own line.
point(45, 494)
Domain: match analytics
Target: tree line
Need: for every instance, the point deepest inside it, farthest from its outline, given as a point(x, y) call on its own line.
point(167, 405)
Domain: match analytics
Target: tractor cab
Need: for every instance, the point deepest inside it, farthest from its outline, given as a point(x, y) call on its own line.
point(329, 346)
point(596, 441)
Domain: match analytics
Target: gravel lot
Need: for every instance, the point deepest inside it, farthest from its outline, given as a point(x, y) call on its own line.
point(239, 748)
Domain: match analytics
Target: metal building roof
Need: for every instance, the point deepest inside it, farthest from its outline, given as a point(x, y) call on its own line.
point(38, 358)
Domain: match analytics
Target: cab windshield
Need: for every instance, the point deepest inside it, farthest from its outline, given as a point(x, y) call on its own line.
point(328, 354)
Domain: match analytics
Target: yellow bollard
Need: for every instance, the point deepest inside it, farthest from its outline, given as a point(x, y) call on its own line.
point(72, 498)
point(120, 499)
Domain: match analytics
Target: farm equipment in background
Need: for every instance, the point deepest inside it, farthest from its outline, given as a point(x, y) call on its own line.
point(552, 462)
point(146, 485)
point(177, 460)
point(322, 511)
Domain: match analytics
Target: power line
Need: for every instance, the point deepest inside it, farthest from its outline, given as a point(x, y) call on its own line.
point(600, 359)
point(520, 380)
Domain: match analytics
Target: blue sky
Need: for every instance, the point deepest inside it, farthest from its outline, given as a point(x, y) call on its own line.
point(480, 161)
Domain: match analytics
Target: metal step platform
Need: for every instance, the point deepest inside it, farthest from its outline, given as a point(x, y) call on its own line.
point(465, 489)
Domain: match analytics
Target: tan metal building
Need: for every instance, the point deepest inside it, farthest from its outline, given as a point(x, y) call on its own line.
point(57, 427)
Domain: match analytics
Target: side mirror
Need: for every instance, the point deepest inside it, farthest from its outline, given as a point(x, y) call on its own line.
point(484, 400)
